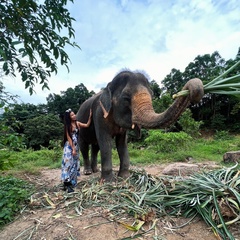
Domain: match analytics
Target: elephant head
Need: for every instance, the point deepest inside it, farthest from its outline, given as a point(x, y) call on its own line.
point(129, 97)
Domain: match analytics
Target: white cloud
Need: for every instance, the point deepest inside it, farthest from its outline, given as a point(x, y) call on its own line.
point(152, 35)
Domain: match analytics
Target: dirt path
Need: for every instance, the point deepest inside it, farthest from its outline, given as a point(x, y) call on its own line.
point(61, 222)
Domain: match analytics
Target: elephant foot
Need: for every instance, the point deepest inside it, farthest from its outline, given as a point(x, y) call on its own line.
point(95, 169)
point(108, 177)
point(124, 174)
point(87, 171)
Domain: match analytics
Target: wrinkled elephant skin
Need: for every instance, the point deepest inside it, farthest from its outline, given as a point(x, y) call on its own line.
point(125, 103)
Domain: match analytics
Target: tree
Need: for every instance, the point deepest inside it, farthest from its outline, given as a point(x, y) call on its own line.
point(18, 113)
point(40, 130)
point(6, 97)
point(205, 67)
point(160, 105)
point(173, 82)
point(71, 98)
point(30, 39)
point(155, 89)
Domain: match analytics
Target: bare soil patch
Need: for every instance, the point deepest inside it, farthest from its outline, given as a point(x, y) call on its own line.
point(62, 222)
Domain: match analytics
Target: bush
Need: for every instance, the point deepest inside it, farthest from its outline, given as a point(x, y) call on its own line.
point(167, 142)
point(189, 125)
point(222, 135)
point(218, 122)
point(13, 194)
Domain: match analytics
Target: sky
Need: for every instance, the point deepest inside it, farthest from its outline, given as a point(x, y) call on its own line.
point(153, 36)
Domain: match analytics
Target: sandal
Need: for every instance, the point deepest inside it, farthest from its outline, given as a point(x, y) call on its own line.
point(70, 189)
point(68, 186)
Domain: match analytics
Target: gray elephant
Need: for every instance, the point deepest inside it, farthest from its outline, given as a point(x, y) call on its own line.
point(125, 103)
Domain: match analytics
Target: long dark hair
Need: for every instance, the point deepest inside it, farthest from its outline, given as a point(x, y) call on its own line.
point(67, 125)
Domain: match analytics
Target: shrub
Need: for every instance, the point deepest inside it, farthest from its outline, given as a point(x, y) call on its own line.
point(167, 142)
point(189, 125)
point(218, 122)
point(222, 135)
point(13, 194)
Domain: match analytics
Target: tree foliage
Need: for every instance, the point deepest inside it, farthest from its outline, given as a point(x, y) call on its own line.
point(6, 97)
point(71, 98)
point(156, 90)
point(189, 125)
point(160, 105)
point(173, 82)
point(18, 113)
point(30, 38)
point(40, 130)
point(205, 67)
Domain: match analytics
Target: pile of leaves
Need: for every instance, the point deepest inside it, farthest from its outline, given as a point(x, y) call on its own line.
point(214, 196)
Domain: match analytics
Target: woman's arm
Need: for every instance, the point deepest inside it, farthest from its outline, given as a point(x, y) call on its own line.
point(71, 144)
point(84, 125)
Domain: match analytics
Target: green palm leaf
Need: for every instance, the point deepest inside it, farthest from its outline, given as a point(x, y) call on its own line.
point(220, 85)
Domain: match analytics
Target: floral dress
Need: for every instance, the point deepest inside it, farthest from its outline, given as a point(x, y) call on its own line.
point(70, 163)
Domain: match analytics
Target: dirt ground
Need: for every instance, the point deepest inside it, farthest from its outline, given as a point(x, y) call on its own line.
point(60, 223)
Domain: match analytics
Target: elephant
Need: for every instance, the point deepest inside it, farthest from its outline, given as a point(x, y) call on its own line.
point(124, 104)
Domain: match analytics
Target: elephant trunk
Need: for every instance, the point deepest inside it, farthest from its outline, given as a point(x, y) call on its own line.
point(144, 115)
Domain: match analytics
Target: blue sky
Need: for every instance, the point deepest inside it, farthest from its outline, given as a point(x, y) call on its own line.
point(150, 35)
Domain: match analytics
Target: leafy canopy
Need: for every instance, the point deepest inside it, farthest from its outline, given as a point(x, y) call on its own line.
point(71, 98)
point(41, 130)
point(30, 40)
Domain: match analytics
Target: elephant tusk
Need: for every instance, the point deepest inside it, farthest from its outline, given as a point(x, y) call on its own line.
point(133, 126)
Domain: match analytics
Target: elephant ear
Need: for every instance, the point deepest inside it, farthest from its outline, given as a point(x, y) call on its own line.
point(105, 101)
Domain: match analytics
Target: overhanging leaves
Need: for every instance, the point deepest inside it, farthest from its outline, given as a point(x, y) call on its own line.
point(31, 41)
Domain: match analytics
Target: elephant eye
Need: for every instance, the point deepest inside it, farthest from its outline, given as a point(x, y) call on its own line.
point(126, 98)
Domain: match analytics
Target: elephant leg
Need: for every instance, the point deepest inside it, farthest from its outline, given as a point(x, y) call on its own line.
point(121, 144)
point(94, 153)
point(105, 145)
point(84, 147)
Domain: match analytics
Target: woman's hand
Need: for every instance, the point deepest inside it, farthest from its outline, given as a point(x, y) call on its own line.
point(74, 153)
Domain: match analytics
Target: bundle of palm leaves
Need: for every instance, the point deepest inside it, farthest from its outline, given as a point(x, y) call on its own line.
point(213, 195)
point(220, 84)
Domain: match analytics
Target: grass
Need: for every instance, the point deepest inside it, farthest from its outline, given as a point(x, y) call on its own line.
point(200, 150)
point(30, 161)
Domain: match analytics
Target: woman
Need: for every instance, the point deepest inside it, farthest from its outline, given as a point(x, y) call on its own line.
point(70, 160)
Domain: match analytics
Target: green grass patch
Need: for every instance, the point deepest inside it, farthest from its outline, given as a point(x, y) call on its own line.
point(141, 153)
point(198, 149)
point(14, 194)
point(32, 161)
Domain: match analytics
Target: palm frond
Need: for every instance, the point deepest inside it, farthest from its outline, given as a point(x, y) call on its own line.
point(220, 84)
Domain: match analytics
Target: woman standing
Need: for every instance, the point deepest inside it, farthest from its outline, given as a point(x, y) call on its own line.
point(70, 159)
